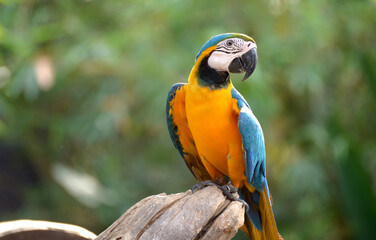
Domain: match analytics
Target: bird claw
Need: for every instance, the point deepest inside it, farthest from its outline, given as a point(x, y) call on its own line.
point(227, 190)
point(245, 204)
point(231, 187)
point(203, 184)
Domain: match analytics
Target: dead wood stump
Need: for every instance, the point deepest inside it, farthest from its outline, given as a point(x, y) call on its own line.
point(204, 214)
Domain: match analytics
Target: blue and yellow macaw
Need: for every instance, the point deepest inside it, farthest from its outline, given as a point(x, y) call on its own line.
point(215, 131)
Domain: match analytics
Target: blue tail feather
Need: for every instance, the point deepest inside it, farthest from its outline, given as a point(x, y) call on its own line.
point(253, 201)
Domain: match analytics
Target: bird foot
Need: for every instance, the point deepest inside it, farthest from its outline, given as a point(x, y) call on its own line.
point(203, 184)
point(229, 188)
point(228, 191)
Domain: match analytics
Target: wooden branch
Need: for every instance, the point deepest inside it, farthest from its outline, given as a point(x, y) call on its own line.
point(42, 230)
point(204, 214)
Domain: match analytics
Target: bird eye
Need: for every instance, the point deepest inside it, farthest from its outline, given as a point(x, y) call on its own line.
point(229, 43)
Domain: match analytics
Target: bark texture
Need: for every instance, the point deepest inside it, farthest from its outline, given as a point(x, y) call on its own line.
point(204, 214)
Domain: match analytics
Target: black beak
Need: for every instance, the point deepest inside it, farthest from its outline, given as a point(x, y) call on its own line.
point(246, 63)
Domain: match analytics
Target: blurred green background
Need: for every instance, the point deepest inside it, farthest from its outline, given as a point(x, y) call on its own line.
point(82, 106)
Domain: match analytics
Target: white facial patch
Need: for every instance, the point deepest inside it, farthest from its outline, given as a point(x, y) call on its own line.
point(228, 50)
point(220, 60)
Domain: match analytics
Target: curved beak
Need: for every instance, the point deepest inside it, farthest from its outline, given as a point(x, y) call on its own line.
point(245, 63)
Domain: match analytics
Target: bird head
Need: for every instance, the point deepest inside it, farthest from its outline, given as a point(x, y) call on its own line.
point(231, 53)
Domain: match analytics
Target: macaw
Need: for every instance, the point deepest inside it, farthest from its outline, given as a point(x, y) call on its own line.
point(215, 131)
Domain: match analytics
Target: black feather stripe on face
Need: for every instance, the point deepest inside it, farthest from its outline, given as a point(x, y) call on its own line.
point(228, 52)
point(211, 78)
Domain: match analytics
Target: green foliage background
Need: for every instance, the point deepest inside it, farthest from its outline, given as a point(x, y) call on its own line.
point(99, 123)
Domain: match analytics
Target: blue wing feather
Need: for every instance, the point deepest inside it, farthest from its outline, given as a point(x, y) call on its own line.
point(253, 143)
point(254, 156)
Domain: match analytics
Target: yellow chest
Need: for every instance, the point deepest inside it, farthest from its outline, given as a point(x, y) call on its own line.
point(213, 120)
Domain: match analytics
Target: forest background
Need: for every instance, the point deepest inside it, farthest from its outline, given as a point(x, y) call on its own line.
point(83, 86)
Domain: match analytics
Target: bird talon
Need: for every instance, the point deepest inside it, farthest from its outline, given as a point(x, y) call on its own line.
point(231, 187)
point(245, 204)
point(228, 190)
point(203, 184)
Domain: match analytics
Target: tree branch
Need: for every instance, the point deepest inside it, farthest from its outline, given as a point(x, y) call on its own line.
point(205, 214)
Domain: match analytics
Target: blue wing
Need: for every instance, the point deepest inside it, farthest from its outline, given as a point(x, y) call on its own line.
point(253, 143)
point(254, 157)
